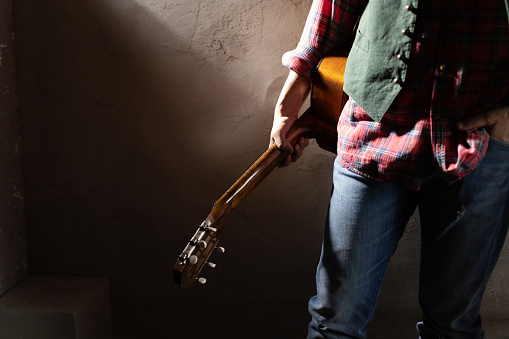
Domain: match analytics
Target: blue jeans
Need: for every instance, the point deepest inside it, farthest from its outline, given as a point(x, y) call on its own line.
point(463, 228)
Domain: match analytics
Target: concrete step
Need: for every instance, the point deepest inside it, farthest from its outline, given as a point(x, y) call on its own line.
point(56, 307)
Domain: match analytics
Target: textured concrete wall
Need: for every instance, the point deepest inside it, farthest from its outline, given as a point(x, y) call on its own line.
point(13, 241)
point(137, 115)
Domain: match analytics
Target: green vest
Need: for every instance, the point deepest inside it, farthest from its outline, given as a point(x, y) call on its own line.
point(375, 69)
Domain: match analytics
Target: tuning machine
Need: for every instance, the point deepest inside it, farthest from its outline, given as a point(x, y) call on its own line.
point(207, 226)
point(193, 259)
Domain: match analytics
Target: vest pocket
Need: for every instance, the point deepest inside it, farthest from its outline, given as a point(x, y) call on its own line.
point(361, 41)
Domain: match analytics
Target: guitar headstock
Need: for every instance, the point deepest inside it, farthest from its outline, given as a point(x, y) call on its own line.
point(197, 252)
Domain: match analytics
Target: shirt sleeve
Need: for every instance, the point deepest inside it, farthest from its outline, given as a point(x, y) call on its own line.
point(329, 23)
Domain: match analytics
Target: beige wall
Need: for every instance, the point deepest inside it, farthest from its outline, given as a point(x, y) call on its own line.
point(136, 116)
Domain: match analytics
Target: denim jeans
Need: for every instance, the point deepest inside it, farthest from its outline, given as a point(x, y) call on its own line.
point(463, 228)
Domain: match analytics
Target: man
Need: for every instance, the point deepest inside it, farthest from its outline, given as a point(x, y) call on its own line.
point(427, 125)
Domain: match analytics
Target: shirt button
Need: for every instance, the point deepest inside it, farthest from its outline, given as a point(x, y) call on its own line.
point(401, 57)
point(396, 80)
point(405, 31)
point(442, 67)
point(409, 7)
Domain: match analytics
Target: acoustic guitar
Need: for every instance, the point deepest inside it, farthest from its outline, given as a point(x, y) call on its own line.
point(319, 122)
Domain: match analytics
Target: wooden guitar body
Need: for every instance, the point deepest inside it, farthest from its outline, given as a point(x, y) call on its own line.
point(327, 96)
point(319, 121)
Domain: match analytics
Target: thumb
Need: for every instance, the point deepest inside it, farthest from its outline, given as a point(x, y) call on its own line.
point(281, 143)
point(487, 118)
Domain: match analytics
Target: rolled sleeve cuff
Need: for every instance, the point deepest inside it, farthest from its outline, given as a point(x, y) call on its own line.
point(302, 60)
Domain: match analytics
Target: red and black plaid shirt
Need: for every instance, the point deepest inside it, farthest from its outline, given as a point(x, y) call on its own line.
point(458, 66)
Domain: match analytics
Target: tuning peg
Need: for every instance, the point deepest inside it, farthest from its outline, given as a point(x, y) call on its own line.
point(193, 259)
point(211, 264)
point(212, 229)
point(202, 244)
point(202, 281)
point(220, 249)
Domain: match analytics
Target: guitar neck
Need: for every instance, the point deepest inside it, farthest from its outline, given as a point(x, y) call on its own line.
point(305, 126)
point(206, 238)
point(319, 124)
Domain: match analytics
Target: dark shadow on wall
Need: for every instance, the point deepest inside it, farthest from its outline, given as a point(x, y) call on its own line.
point(118, 171)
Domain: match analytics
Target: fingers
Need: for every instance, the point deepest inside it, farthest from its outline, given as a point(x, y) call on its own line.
point(484, 119)
point(475, 121)
point(296, 153)
point(284, 146)
point(496, 122)
point(286, 161)
point(277, 137)
point(281, 143)
point(299, 148)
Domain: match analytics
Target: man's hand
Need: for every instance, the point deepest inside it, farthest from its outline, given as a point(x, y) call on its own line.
point(280, 127)
point(290, 101)
point(496, 122)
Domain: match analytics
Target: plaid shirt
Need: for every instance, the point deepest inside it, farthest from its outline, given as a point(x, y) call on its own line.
point(458, 66)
